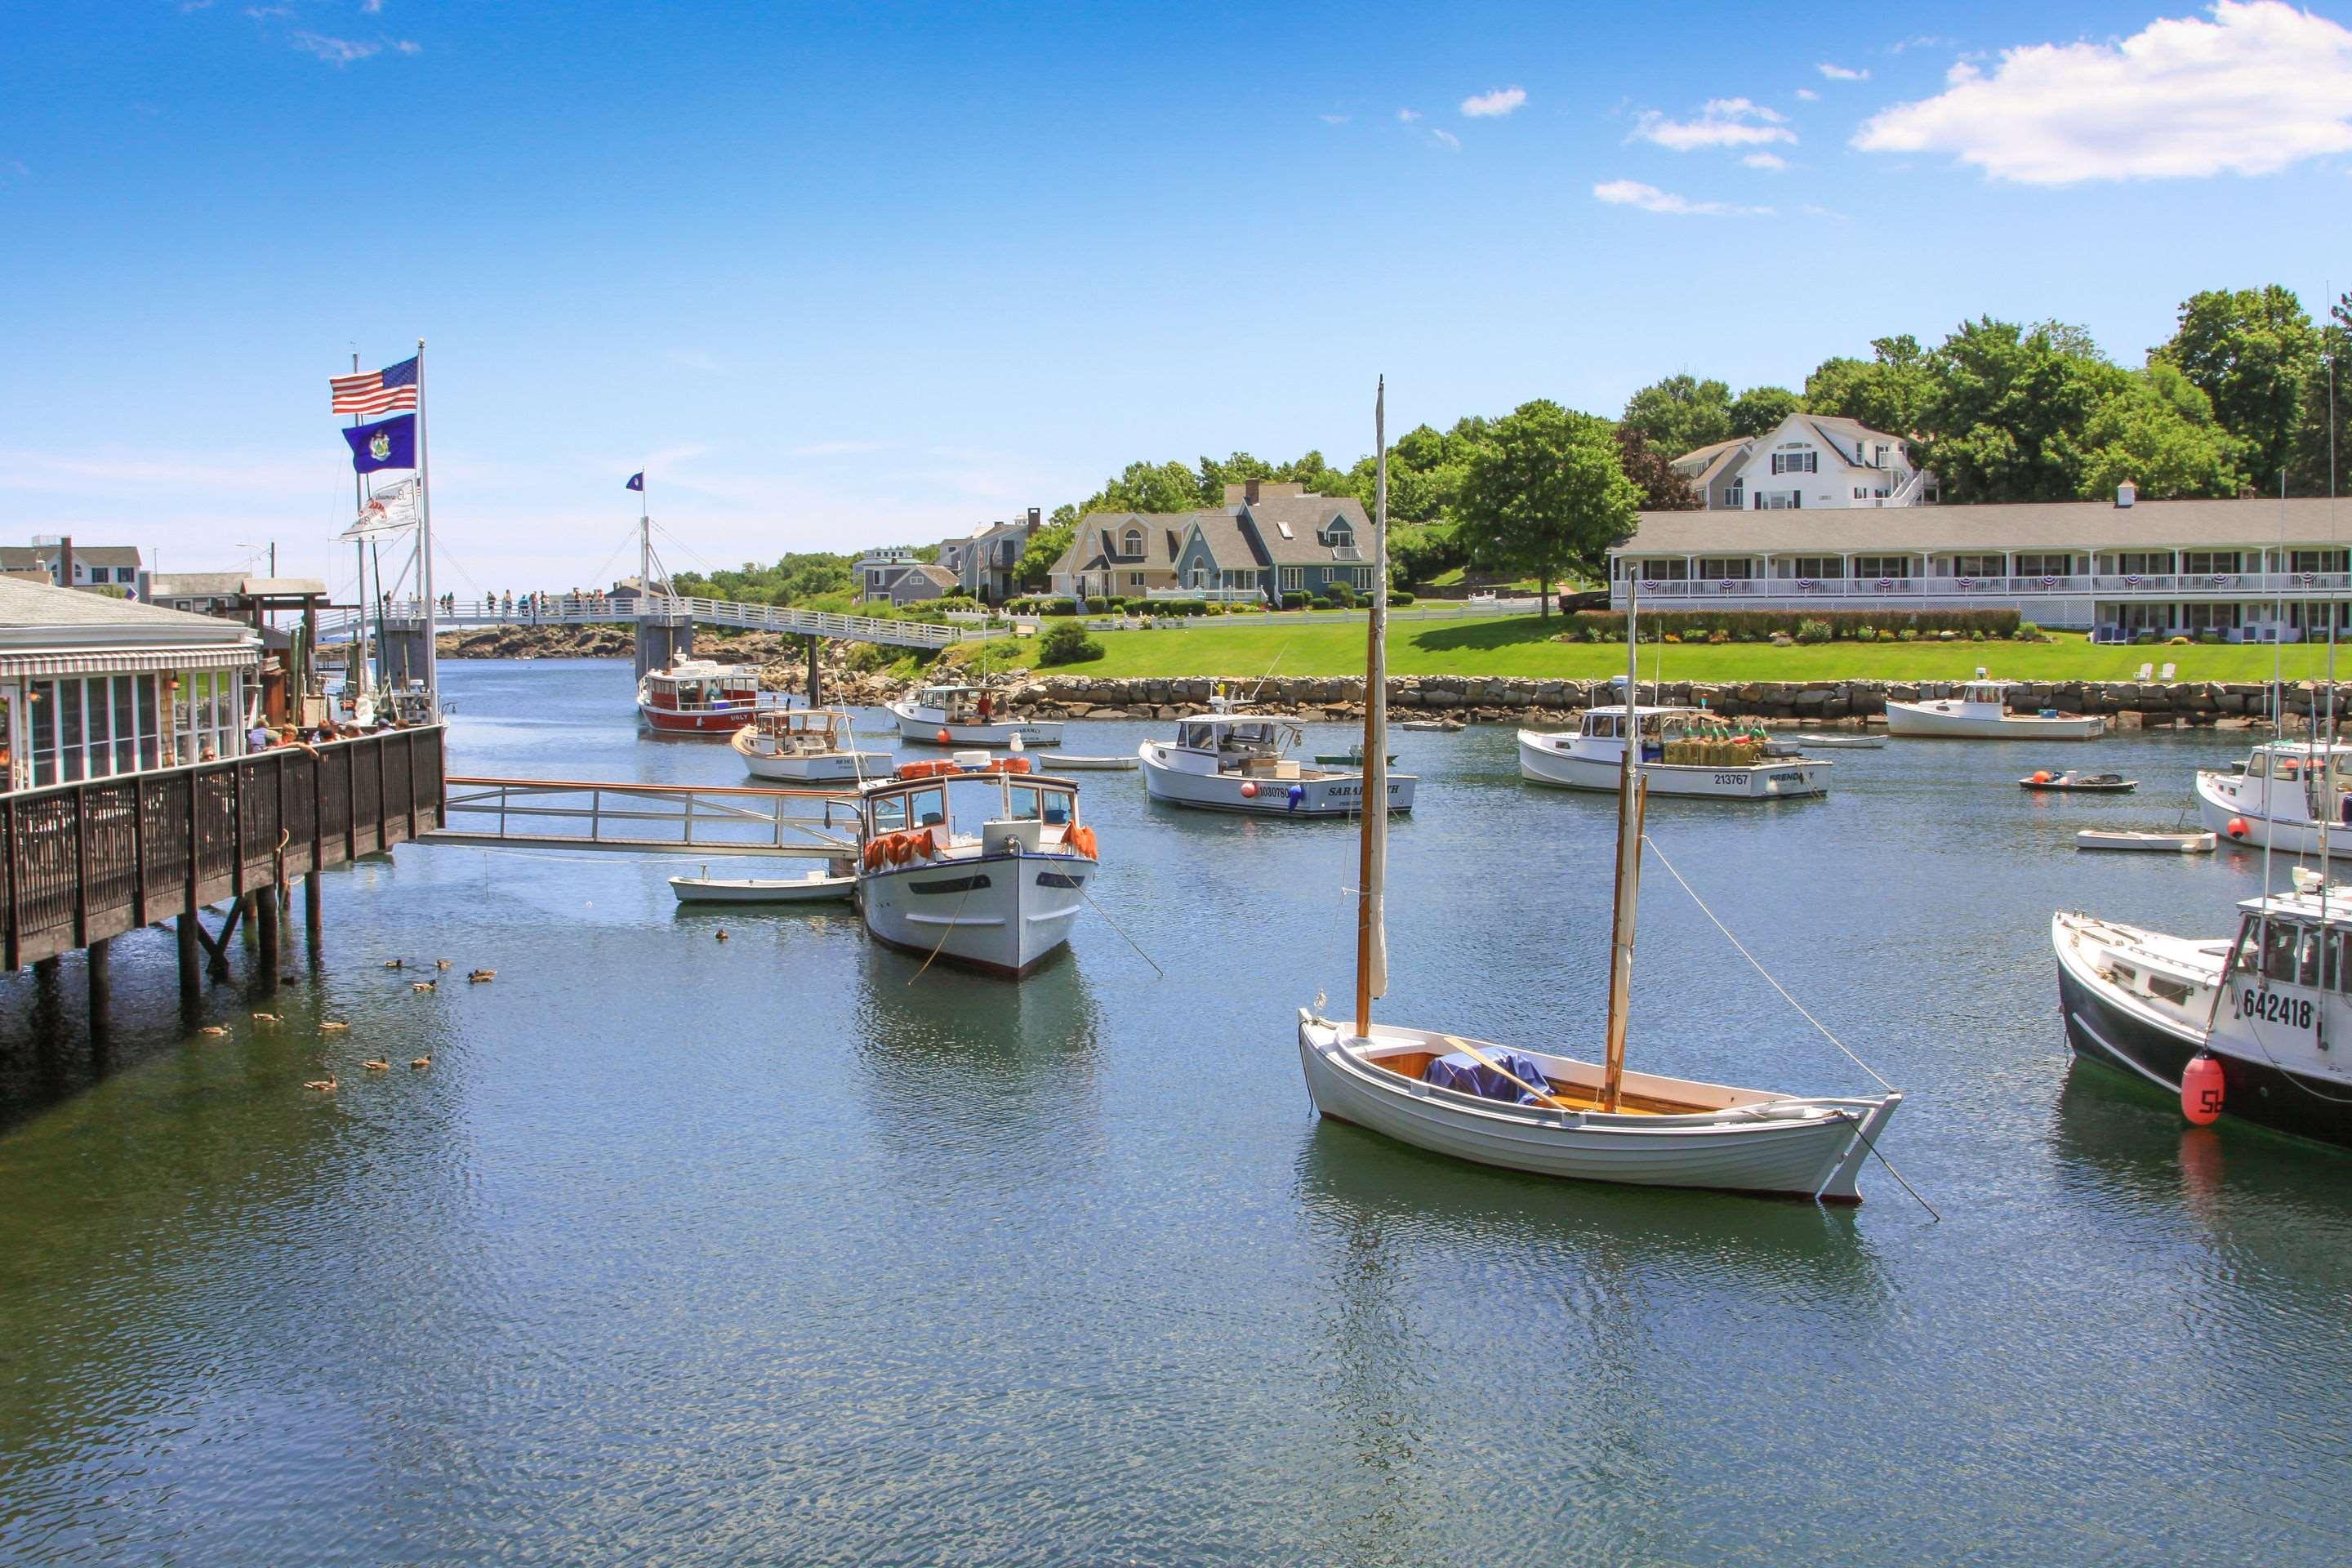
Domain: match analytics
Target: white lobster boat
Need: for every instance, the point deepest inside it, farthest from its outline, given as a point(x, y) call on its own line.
point(806, 746)
point(1685, 752)
point(1553, 1115)
point(1980, 712)
point(978, 863)
point(963, 716)
point(1226, 761)
point(699, 697)
point(2280, 796)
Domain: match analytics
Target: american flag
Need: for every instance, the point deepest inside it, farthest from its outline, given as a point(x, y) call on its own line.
point(378, 391)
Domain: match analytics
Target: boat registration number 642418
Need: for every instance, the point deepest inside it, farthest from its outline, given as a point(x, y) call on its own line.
point(2274, 1007)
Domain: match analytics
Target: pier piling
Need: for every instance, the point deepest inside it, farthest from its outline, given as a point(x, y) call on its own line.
point(101, 989)
point(192, 978)
point(265, 927)
point(314, 915)
point(812, 688)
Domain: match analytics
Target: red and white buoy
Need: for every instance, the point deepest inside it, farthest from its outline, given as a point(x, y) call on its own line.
point(944, 737)
point(2201, 1090)
point(1249, 789)
point(2237, 827)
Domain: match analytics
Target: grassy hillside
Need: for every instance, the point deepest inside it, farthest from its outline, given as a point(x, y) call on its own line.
point(1522, 646)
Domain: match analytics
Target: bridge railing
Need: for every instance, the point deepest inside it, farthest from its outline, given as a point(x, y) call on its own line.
point(595, 609)
point(650, 818)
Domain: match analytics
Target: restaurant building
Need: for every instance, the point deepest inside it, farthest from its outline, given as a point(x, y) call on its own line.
point(91, 687)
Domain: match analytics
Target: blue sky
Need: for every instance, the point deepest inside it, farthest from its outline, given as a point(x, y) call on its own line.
point(847, 274)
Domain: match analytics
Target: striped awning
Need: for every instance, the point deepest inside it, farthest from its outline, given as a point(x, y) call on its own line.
point(126, 660)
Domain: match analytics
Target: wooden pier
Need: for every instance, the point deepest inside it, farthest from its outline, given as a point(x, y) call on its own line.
point(83, 863)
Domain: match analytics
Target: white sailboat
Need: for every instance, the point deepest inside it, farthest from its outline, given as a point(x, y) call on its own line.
point(1548, 1114)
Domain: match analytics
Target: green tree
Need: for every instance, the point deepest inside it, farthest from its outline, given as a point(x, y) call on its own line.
point(2315, 464)
point(1216, 476)
point(1887, 392)
point(2005, 417)
point(1760, 410)
point(1045, 546)
point(1681, 414)
point(1661, 488)
point(2253, 352)
point(1549, 494)
point(2159, 433)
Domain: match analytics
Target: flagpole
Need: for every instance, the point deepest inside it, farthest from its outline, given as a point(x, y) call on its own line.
point(644, 541)
point(358, 547)
point(424, 550)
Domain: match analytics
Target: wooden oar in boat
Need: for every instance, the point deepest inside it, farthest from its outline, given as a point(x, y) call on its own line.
point(1492, 1065)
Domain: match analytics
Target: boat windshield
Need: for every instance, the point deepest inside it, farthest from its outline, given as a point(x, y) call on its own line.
point(1254, 737)
point(1982, 691)
point(959, 805)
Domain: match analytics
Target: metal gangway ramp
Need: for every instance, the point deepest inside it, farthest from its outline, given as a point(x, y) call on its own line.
point(710, 820)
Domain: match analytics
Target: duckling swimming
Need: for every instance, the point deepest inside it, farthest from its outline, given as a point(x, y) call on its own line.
point(323, 1084)
point(377, 1065)
point(481, 976)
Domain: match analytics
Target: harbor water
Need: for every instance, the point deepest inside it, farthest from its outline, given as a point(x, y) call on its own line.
point(783, 1250)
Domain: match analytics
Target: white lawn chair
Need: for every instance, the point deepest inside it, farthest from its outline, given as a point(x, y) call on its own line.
point(2165, 675)
point(2146, 672)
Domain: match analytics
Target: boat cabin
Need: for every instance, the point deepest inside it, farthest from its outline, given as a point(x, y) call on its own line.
point(799, 732)
point(703, 686)
point(977, 811)
point(1659, 724)
point(1234, 742)
point(2309, 779)
point(959, 704)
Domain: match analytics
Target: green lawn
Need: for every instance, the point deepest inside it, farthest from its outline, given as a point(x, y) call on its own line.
point(1522, 646)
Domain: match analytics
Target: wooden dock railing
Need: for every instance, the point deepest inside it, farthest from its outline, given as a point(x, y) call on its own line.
point(85, 862)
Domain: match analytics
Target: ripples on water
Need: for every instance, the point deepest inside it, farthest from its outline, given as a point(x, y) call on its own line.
point(770, 1250)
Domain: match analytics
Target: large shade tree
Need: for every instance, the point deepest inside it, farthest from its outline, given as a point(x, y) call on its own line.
point(2004, 418)
point(1681, 414)
point(2253, 352)
point(1549, 494)
point(1887, 392)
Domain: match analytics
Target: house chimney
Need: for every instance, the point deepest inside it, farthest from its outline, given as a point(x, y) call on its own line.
point(1037, 515)
point(1249, 491)
point(65, 562)
point(2126, 493)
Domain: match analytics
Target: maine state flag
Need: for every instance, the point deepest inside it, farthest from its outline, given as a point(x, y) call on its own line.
point(637, 481)
point(386, 444)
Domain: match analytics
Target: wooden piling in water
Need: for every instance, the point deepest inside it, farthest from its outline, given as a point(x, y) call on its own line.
point(101, 989)
point(314, 914)
point(266, 926)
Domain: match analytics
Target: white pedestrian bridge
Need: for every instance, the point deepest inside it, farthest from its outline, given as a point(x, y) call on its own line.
point(600, 610)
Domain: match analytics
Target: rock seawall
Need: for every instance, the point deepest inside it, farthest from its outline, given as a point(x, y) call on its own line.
point(1511, 699)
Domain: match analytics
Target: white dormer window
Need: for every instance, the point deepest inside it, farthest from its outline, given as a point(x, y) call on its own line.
point(1133, 544)
point(1338, 533)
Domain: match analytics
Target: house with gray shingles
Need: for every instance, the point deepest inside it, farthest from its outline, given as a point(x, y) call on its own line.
point(1266, 541)
point(69, 565)
point(896, 575)
point(1809, 460)
point(983, 562)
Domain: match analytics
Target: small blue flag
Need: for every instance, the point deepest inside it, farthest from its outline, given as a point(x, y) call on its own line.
point(386, 444)
point(637, 481)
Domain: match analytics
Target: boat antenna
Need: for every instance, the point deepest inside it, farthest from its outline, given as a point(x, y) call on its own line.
point(1372, 851)
point(2327, 786)
point(2278, 711)
point(1632, 799)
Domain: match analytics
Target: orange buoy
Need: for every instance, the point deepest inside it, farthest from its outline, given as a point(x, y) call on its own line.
point(944, 738)
point(2042, 776)
point(2200, 1090)
point(1249, 789)
point(2237, 827)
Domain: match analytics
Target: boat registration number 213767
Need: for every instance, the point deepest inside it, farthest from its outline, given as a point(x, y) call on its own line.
point(2274, 1007)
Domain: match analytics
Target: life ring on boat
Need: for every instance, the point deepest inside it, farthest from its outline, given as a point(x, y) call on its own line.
point(1082, 839)
point(876, 850)
point(923, 844)
point(900, 848)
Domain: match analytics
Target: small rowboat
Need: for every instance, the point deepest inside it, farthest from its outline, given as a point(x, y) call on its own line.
point(2146, 843)
point(1064, 762)
point(2071, 781)
point(1813, 740)
point(815, 888)
point(1443, 726)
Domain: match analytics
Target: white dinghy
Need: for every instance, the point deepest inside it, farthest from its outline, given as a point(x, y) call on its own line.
point(817, 888)
point(2145, 843)
point(1549, 1114)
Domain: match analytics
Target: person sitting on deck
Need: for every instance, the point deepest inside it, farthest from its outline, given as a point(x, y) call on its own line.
point(257, 739)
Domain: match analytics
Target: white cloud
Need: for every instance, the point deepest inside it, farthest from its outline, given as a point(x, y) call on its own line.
point(1924, 41)
point(1650, 199)
point(409, 47)
point(1722, 122)
point(1408, 115)
point(1840, 73)
point(1333, 118)
point(1765, 161)
point(1808, 94)
point(371, 7)
point(334, 51)
point(1447, 139)
point(1495, 104)
point(1811, 210)
point(2260, 87)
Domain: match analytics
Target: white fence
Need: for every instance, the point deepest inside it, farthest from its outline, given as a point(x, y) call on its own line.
point(592, 609)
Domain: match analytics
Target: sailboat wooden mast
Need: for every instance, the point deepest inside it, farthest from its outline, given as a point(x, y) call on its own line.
point(1373, 858)
point(1633, 800)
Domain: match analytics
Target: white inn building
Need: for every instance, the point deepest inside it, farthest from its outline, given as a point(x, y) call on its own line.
point(2241, 570)
point(1811, 461)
